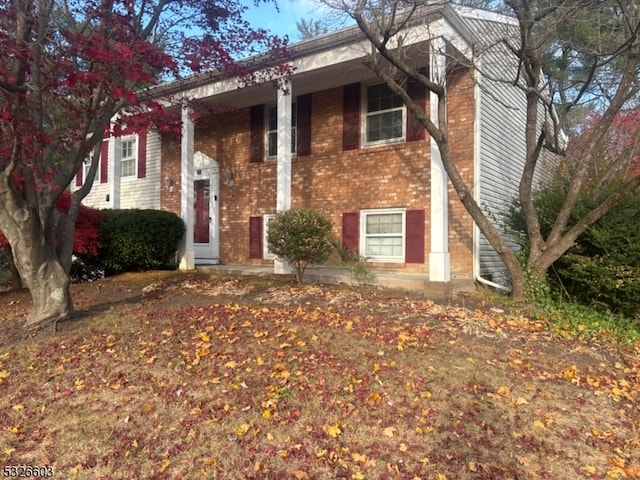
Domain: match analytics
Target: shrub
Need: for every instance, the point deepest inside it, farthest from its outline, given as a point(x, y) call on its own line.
point(300, 237)
point(139, 239)
point(603, 268)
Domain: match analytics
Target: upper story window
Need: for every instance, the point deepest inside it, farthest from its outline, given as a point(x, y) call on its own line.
point(128, 159)
point(272, 130)
point(384, 116)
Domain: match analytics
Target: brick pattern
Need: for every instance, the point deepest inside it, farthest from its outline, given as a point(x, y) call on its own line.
point(329, 180)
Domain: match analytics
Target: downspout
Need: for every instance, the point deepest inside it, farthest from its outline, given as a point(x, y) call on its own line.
point(477, 167)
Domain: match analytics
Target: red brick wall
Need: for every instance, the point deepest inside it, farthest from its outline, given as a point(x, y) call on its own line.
point(329, 180)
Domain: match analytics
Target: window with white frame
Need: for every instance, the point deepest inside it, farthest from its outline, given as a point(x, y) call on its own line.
point(86, 165)
point(128, 159)
point(272, 130)
point(382, 236)
point(384, 114)
point(266, 253)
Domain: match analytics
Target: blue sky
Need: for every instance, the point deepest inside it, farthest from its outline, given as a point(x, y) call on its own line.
point(282, 22)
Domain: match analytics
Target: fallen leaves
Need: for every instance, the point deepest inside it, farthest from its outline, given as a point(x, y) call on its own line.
point(314, 382)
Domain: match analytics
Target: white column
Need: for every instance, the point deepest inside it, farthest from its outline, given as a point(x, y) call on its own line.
point(439, 256)
point(115, 165)
point(187, 255)
point(283, 172)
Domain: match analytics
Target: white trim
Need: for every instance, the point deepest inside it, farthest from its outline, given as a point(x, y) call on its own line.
point(403, 234)
point(266, 254)
point(134, 156)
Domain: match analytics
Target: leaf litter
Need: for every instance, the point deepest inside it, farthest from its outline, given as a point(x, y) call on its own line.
point(180, 376)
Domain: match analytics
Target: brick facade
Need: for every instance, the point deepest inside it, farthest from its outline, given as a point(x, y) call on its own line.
point(330, 180)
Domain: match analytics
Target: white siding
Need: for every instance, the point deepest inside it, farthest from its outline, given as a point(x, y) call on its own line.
point(502, 149)
point(135, 192)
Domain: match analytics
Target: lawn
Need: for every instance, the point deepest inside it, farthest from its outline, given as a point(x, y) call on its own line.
point(168, 375)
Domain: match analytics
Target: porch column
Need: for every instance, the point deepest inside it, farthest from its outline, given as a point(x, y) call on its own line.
point(283, 171)
point(115, 165)
point(187, 255)
point(439, 256)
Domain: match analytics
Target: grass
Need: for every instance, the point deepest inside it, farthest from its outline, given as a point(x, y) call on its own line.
point(187, 377)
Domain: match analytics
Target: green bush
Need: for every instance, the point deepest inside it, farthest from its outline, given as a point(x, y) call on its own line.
point(139, 239)
point(603, 268)
point(300, 237)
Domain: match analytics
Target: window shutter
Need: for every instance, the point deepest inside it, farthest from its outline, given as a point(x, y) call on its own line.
point(255, 237)
point(303, 127)
point(256, 129)
point(418, 93)
point(142, 154)
point(351, 231)
point(351, 117)
point(104, 162)
point(79, 176)
point(414, 241)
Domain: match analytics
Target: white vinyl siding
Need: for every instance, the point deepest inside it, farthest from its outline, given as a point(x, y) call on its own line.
point(134, 192)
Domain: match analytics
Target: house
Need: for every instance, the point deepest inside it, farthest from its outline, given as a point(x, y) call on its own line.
point(338, 141)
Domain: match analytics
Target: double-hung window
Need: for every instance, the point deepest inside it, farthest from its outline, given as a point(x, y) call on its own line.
point(128, 159)
point(266, 253)
point(383, 235)
point(272, 130)
point(384, 114)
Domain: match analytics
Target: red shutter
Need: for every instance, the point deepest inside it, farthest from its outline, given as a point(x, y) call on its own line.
point(303, 127)
point(414, 241)
point(255, 237)
point(104, 162)
point(418, 93)
point(79, 176)
point(142, 154)
point(256, 134)
point(351, 117)
point(351, 231)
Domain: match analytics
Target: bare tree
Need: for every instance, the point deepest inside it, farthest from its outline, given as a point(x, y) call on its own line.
point(601, 72)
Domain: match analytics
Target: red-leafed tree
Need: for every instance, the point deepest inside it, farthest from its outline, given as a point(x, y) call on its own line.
point(67, 68)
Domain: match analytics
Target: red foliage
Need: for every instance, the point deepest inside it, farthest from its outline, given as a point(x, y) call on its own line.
point(87, 233)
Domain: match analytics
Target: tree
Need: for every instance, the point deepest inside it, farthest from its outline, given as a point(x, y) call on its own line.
point(68, 67)
point(591, 64)
point(301, 237)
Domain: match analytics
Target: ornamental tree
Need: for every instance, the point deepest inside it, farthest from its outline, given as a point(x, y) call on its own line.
point(75, 71)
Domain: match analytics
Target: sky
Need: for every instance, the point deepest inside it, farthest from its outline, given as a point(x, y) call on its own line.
point(283, 22)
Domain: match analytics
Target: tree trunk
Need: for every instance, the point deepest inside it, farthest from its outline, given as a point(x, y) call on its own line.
point(48, 282)
point(16, 281)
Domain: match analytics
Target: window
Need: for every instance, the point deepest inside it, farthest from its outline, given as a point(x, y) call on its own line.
point(266, 253)
point(86, 165)
point(384, 116)
point(272, 130)
point(128, 158)
point(383, 235)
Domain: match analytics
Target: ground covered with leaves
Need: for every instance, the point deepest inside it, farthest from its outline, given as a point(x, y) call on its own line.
point(169, 375)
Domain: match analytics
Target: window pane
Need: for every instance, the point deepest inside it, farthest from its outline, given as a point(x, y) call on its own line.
point(384, 223)
point(384, 126)
point(384, 246)
point(128, 168)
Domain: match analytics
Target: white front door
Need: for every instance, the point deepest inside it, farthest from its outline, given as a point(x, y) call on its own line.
point(206, 217)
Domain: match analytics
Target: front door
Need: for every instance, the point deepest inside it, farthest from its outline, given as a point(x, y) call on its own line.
point(205, 218)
